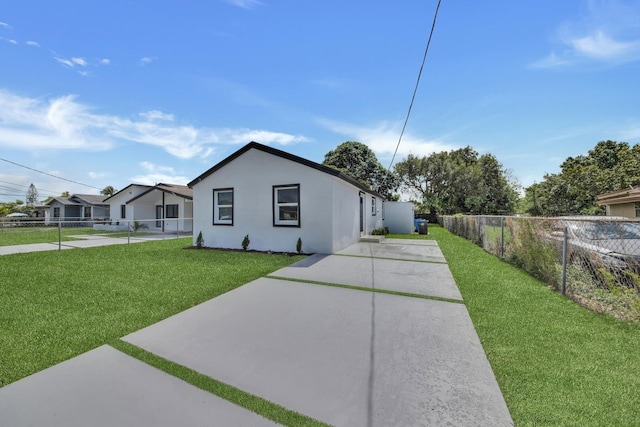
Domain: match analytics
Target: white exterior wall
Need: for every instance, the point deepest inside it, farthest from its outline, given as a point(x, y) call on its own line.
point(121, 199)
point(329, 207)
point(398, 217)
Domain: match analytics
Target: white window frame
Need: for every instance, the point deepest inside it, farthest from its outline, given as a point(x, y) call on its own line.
point(277, 221)
point(217, 206)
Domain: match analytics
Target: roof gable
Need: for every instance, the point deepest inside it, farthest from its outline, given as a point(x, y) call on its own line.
point(284, 155)
point(125, 189)
point(175, 189)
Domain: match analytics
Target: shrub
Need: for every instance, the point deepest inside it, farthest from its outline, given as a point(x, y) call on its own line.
point(382, 231)
point(245, 242)
point(199, 241)
point(299, 245)
point(137, 225)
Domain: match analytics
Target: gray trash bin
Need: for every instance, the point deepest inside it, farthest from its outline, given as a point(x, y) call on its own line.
point(423, 227)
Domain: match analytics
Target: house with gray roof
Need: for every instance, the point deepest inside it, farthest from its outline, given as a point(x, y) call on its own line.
point(77, 207)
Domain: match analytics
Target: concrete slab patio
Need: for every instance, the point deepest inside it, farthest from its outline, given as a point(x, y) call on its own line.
point(105, 387)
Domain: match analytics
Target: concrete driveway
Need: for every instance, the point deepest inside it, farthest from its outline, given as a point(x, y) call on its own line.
point(404, 354)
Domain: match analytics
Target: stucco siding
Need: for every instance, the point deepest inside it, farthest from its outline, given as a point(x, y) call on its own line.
point(252, 177)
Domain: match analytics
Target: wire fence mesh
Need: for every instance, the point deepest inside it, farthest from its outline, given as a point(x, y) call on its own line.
point(594, 260)
point(23, 231)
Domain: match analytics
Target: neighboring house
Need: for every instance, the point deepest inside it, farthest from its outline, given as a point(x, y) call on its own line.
point(625, 202)
point(77, 207)
point(161, 207)
point(277, 198)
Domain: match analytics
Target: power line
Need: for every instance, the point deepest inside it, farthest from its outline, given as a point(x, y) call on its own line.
point(415, 90)
point(40, 190)
point(48, 174)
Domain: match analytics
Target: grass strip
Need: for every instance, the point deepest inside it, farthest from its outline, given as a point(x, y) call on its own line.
point(228, 392)
point(364, 288)
point(557, 363)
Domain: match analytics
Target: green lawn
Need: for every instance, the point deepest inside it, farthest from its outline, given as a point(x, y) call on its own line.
point(25, 235)
point(55, 305)
point(557, 363)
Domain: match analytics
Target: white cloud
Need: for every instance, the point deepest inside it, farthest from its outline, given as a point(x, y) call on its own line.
point(98, 175)
point(79, 61)
point(157, 115)
point(147, 60)
point(245, 4)
point(65, 62)
point(32, 43)
point(383, 139)
point(105, 61)
point(5, 26)
point(609, 34)
point(64, 123)
point(156, 174)
point(10, 41)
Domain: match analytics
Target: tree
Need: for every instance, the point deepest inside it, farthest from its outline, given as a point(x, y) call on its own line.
point(32, 195)
point(108, 191)
point(458, 181)
point(65, 194)
point(609, 166)
point(359, 162)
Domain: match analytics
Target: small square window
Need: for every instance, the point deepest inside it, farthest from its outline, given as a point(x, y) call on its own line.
point(286, 205)
point(172, 211)
point(223, 206)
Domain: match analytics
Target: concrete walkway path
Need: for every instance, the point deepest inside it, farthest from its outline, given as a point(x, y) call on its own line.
point(407, 355)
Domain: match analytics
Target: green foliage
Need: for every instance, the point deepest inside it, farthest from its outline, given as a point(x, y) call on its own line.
point(458, 181)
point(529, 250)
point(360, 162)
point(199, 241)
point(108, 191)
point(609, 166)
point(382, 231)
point(137, 226)
point(299, 245)
point(245, 242)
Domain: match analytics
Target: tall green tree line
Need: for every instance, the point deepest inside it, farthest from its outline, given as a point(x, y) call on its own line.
point(609, 166)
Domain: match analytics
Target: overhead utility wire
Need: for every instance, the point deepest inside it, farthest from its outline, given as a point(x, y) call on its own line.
point(45, 173)
point(415, 90)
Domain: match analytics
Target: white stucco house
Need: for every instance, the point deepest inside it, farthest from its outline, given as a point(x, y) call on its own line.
point(161, 207)
point(276, 198)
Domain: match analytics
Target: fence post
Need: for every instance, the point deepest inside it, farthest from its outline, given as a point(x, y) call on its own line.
point(59, 235)
point(502, 238)
point(564, 261)
point(128, 232)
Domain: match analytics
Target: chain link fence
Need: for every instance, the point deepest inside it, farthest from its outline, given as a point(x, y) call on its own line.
point(594, 260)
point(24, 230)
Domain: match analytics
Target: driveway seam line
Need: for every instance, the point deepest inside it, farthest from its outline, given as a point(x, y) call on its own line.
point(363, 288)
point(392, 259)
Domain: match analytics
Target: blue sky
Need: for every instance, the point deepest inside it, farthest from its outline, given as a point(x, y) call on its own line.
point(110, 93)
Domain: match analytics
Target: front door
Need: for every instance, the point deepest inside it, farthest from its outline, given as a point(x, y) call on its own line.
point(361, 213)
point(159, 216)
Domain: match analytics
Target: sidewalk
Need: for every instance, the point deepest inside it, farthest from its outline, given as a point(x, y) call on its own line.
point(84, 241)
point(342, 355)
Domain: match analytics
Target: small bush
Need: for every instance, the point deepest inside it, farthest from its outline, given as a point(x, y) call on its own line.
point(382, 231)
point(245, 242)
point(299, 245)
point(137, 225)
point(199, 241)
